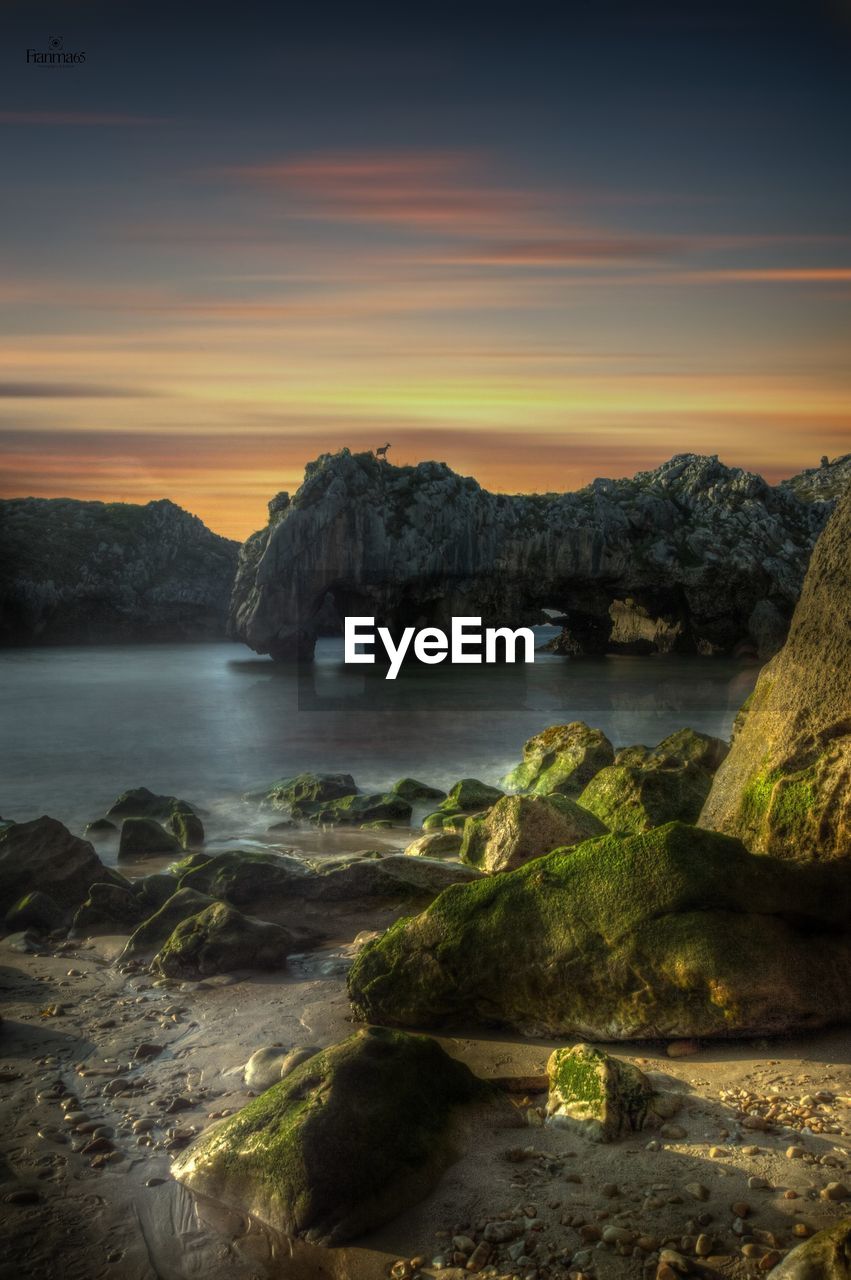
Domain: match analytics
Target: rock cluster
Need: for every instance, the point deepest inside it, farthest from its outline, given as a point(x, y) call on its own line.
point(693, 556)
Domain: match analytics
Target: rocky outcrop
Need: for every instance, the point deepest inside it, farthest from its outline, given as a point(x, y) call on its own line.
point(680, 557)
point(98, 572)
point(785, 787)
point(352, 1137)
point(674, 933)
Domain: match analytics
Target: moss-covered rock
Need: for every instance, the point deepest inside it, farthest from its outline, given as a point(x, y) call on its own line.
point(154, 931)
point(469, 795)
point(154, 890)
point(352, 1137)
point(602, 1097)
point(139, 802)
point(638, 797)
point(221, 939)
point(243, 877)
point(35, 910)
point(187, 827)
point(101, 829)
point(109, 905)
point(785, 787)
point(677, 932)
point(395, 877)
point(688, 746)
point(519, 828)
point(305, 792)
point(145, 837)
point(414, 790)
point(825, 1256)
point(442, 820)
point(562, 760)
point(43, 855)
point(356, 809)
point(437, 844)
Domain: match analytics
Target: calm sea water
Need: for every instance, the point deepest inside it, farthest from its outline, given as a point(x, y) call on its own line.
point(208, 722)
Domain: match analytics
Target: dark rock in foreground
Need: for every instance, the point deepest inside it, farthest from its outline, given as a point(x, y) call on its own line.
point(825, 1256)
point(220, 939)
point(43, 855)
point(675, 933)
point(693, 556)
point(785, 787)
point(104, 572)
point(351, 1138)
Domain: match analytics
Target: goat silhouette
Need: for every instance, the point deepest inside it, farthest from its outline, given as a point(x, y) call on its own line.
point(382, 452)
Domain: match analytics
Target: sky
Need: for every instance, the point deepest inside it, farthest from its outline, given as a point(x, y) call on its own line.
point(540, 242)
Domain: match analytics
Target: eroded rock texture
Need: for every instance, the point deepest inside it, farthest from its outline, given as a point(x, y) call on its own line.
point(785, 787)
point(693, 556)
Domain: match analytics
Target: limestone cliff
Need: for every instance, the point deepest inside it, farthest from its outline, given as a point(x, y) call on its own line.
point(694, 556)
point(97, 572)
point(785, 787)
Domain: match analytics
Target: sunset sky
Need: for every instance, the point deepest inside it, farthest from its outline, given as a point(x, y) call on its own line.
point(541, 242)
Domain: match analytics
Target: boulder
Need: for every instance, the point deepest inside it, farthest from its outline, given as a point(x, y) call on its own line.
point(437, 844)
point(109, 904)
point(35, 910)
point(305, 792)
point(221, 939)
point(102, 828)
point(687, 746)
point(638, 797)
point(562, 759)
point(468, 795)
point(355, 1135)
point(825, 1256)
point(154, 931)
point(673, 934)
point(413, 790)
point(785, 787)
point(154, 890)
point(357, 809)
point(393, 877)
point(241, 877)
point(520, 827)
point(139, 802)
point(601, 1097)
point(144, 837)
point(187, 828)
point(43, 855)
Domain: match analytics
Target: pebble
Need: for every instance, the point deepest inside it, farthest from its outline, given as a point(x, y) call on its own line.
point(697, 1190)
point(756, 1183)
point(835, 1191)
point(673, 1132)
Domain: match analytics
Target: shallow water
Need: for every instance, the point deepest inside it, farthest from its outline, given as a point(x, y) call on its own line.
point(207, 722)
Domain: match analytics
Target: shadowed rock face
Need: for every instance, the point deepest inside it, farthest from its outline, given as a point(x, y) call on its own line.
point(785, 787)
point(678, 558)
point(99, 572)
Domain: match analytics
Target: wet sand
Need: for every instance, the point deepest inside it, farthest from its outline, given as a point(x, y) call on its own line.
point(69, 1045)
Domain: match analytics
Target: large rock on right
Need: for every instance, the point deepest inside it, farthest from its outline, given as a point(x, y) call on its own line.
point(785, 787)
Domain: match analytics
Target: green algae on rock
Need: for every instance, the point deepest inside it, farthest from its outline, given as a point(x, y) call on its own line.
point(35, 910)
point(562, 759)
point(673, 933)
point(221, 939)
point(356, 809)
point(637, 797)
point(412, 789)
point(154, 931)
point(602, 1097)
point(519, 828)
point(785, 788)
point(304, 792)
point(187, 827)
point(241, 876)
point(355, 1135)
point(435, 844)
